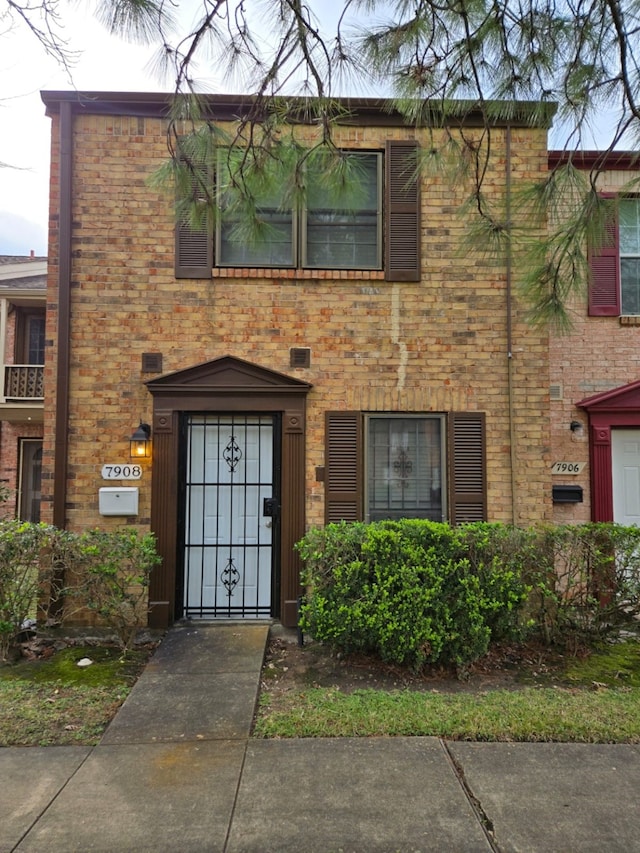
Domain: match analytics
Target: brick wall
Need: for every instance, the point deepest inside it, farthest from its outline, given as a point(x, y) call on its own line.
point(599, 354)
point(433, 346)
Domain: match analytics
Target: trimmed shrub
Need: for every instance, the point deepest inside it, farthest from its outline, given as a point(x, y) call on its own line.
point(114, 572)
point(406, 591)
point(585, 580)
point(499, 556)
point(44, 569)
point(31, 555)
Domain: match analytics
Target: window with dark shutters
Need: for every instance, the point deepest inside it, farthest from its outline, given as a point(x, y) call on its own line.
point(467, 488)
point(194, 255)
point(343, 466)
point(604, 275)
point(402, 211)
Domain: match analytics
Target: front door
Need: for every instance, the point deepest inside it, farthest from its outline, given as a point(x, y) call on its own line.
point(230, 516)
point(625, 461)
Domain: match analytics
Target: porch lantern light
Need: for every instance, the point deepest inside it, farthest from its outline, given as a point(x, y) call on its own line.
point(140, 442)
point(576, 428)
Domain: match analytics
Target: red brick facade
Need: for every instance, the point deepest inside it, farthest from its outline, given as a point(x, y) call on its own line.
point(598, 355)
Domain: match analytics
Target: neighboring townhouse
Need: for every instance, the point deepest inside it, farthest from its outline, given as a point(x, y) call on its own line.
point(595, 369)
point(23, 283)
point(359, 367)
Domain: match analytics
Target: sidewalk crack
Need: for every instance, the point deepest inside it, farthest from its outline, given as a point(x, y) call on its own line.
point(483, 818)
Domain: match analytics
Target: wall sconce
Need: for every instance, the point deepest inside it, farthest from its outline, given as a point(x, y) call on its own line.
point(140, 442)
point(577, 429)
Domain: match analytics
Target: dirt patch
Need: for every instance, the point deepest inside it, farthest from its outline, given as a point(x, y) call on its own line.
point(290, 667)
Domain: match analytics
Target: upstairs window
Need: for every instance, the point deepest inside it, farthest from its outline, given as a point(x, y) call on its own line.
point(629, 232)
point(334, 224)
point(343, 230)
point(614, 288)
point(336, 227)
point(256, 227)
point(30, 328)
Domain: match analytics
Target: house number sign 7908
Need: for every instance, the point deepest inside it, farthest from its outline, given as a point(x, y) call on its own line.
point(121, 472)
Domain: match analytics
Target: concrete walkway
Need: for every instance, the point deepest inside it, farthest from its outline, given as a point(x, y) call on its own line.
point(176, 771)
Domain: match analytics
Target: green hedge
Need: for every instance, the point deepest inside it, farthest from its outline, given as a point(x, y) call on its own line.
point(416, 591)
point(43, 568)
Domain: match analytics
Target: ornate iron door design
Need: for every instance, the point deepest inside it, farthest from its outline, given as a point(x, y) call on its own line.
point(228, 535)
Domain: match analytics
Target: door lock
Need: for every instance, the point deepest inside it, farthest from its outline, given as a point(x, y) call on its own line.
point(270, 506)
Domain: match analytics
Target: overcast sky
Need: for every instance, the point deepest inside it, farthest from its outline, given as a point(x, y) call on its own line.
point(107, 64)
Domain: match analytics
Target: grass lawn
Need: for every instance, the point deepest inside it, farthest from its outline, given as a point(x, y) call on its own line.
point(594, 698)
point(530, 714)
point(591, 699)
point(53, 701)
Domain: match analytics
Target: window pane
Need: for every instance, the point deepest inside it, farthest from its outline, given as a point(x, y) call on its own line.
point(255, 226)
point(35, 340)
point(630, 285)
point(405, 468)
point(273, 246)
point(342, 221)
point(630, 227)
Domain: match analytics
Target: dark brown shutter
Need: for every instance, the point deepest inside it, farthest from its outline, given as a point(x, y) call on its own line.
point(343, 466)
point(604, 275)
point(467, 467)
point(194, 250)
point(402, 212)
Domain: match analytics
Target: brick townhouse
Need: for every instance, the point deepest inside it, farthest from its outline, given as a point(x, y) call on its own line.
point(23, 283)
point(594, 370)
point(385, 373)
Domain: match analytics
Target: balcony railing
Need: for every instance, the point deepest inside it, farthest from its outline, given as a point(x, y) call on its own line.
point(23, 382)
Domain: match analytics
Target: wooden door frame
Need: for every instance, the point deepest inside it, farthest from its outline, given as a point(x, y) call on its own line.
point(224, 386)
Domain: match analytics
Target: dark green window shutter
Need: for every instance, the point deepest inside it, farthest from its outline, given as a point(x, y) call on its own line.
point(194, 247)
point(402, 212)
point(343, 466)
point(467, 467)
point(604, 275)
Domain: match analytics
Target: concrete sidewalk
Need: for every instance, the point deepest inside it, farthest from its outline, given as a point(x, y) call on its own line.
point(176, 771)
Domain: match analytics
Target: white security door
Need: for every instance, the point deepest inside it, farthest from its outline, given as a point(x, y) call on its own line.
point(229, 533)
point(625, 460)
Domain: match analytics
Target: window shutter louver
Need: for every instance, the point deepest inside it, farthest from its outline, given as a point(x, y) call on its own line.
point(402, 210)
point(194, 249)
point(343, 466)
point(468, 488)
point(604, 275)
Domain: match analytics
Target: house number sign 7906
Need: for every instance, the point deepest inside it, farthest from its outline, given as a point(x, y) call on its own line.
point(121, 472)
point(567, 467)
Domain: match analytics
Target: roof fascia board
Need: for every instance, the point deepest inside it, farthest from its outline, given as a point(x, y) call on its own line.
point(356, 110)
point(29, 269)
point(619, 160)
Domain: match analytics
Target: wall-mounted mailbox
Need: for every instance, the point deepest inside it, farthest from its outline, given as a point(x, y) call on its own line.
point(567, 494)
point(114, 501)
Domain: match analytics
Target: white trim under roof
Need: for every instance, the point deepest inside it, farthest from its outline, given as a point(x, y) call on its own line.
point(26, 269)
